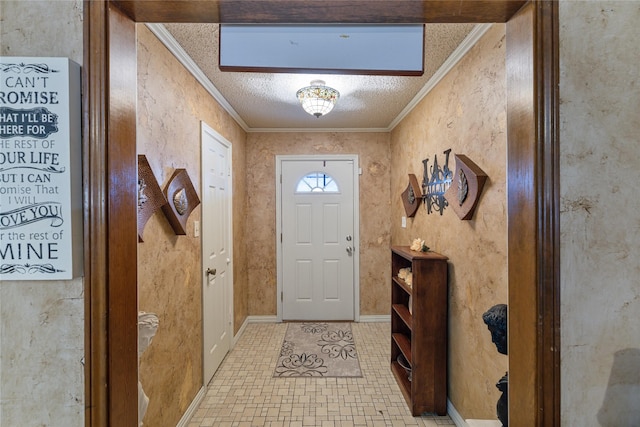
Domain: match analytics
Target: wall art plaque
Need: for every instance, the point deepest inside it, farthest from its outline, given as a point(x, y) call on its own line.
point(465, 191)
point(182, 200)
point(150, 195)
point(412, 196)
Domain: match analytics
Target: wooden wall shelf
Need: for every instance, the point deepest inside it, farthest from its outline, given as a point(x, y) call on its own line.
point(419, 332)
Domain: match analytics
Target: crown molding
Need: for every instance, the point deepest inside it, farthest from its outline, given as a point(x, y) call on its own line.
point(161, 32)
point(318, 130)
point(455, 57)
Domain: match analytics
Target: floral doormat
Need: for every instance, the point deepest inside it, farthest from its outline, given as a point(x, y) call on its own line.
point(318, 350)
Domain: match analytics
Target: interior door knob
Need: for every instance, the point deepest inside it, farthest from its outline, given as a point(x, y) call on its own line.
point(211, 272)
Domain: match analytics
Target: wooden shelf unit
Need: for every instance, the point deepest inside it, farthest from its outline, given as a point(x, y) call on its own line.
point(419, 332)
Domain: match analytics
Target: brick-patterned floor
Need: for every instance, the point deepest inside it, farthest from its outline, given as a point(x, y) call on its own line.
point(244, 393)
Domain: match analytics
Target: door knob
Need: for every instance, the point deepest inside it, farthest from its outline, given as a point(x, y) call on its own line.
point(211, 272)
point(349, 250)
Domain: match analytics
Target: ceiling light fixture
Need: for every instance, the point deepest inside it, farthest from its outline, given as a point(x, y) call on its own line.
point(318, 99)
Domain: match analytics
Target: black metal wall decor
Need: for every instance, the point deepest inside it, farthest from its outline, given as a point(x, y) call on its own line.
point(435, 182)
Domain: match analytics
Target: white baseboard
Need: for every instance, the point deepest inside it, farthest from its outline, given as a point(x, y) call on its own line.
point(460, 422)
point(262, 319)
point(375, 318)
point(191, 410)
point(253, 319)
point(455, 416)
point(484, 423)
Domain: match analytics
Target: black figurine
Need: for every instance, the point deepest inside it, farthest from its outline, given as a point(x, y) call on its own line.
point(496, 320)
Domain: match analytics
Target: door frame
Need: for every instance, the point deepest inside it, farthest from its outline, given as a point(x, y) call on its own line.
point(205, 128)
point(356, 224)
point(110, 191)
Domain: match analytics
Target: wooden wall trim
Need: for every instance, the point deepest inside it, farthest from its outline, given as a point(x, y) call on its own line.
point(547, 79)
point(122, 208)
point(522, 217)
point(110, 192)
point(533, 221)
point(95, 94)
point(335, 11)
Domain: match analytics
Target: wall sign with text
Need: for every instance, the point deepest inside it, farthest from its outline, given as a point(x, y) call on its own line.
point(40, 169)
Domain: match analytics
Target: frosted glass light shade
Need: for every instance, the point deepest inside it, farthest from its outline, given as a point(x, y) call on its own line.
point(318, 99)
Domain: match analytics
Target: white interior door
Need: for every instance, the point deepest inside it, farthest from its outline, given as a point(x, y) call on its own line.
point(216, 250)
point(318, 249)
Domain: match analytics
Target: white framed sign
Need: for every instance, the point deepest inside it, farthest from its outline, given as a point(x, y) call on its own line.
point(40, 169)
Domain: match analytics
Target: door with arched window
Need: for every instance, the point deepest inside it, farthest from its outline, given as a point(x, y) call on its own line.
point(318, 248)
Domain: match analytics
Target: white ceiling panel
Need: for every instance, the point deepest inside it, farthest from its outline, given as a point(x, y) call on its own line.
point(353, 49)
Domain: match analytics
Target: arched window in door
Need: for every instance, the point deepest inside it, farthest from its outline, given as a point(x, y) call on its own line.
point(317, 182)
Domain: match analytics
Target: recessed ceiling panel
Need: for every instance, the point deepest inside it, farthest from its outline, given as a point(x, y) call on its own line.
point(344, 49)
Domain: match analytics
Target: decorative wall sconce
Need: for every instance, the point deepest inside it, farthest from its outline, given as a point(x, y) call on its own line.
point(435, 182)
point(182, 200)
point(464, 193)
point(150, 197)
point(412, 196)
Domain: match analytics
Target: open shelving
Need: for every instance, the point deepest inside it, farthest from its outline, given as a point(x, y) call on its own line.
point(419, 328)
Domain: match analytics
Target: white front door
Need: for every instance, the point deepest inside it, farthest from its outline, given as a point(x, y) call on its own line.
point(216, 250)
point(318, 249)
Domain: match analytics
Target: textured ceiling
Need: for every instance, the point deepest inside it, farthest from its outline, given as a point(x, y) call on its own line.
point(266, 101)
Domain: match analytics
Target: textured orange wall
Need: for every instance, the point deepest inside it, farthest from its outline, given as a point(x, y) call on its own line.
point(466, 112)
point(171, 104)
point(373, 152)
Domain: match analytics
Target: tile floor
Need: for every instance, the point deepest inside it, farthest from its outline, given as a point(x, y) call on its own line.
point(243, 392)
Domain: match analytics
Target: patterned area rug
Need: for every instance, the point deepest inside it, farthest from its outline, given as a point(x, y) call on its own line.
point(318, 350)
